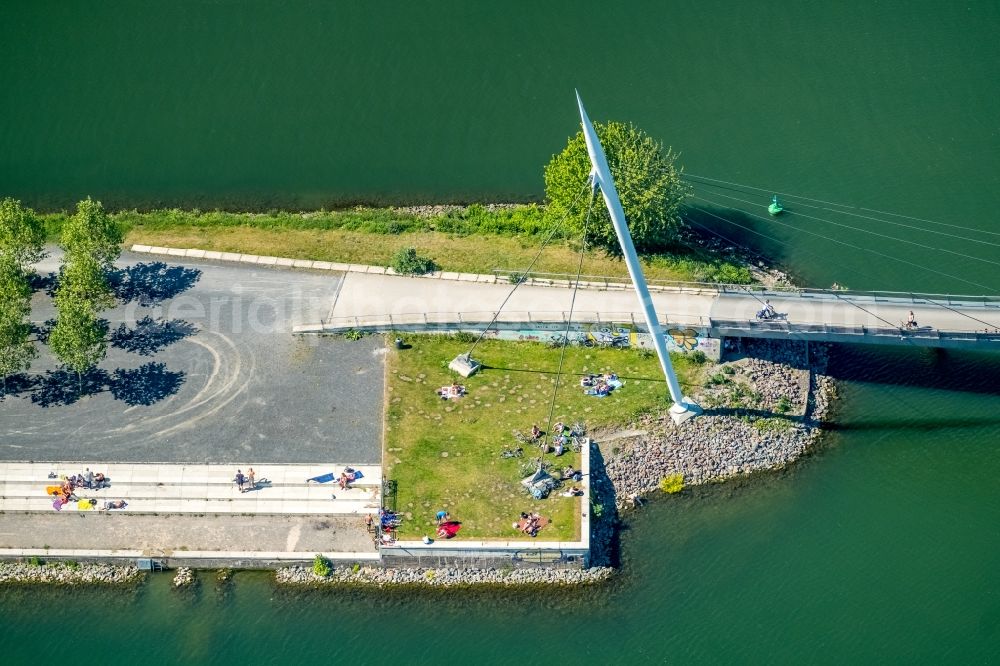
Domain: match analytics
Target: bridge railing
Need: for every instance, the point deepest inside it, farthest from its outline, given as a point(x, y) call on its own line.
point(554, 320)
point(817, 329)
point(482, 318)
point(682, 286)
point(900, 297)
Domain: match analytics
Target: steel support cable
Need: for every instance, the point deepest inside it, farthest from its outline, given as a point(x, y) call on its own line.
point(868, 217)
point(838, 242)
point(911, 343)
point(834, 203)
point(519, 280)
point(873, 233)
point(831, 291)
point(728, 240)
point(900, 224)
point(800, 336)
point(572, 305)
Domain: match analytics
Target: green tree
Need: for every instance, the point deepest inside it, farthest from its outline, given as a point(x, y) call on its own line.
point(78, 338)
point(93, 232)
point(16, 349)
point(22, 234)
point(83, 278)
point(647, 180)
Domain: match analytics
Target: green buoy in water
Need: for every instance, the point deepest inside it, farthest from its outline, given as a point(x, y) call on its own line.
point(775, 208)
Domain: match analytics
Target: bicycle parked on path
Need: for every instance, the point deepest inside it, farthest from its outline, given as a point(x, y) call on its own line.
point(605, 341)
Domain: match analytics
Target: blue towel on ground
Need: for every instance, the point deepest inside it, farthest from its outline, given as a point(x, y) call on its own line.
point(323, 478)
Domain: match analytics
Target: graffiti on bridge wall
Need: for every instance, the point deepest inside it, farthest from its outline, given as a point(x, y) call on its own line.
point(605, 334)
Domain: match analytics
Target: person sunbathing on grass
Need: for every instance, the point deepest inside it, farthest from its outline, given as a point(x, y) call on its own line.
point(453, 391)
point(534, 524)
point(524, 526)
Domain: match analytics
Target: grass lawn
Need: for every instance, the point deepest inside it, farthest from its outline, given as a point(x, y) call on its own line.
point(469, 240)
point(444, 454)
point(478, 253)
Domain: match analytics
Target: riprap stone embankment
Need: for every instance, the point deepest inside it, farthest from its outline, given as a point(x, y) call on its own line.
point(763, 413)
point(57, 572)
point(443, 577)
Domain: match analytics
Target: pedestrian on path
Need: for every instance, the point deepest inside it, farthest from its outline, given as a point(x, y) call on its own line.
point(240, 479)
point(251, 481)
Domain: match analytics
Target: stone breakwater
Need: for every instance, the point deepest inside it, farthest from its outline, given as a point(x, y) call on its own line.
point(763, 413)
point(443, 577)
point(57, 572)
point(183, 577)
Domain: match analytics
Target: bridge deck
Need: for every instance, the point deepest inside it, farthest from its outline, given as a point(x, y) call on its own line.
point(387, 301)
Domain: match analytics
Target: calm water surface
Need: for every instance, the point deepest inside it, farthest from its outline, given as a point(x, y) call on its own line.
point(882, 546)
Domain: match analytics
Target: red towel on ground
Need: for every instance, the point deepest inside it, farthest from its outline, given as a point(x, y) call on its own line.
point(449, 529)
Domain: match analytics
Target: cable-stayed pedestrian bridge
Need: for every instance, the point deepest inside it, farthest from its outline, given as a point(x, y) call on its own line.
point(380, 301)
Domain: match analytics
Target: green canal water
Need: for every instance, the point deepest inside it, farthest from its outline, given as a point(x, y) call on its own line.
point(882, 546)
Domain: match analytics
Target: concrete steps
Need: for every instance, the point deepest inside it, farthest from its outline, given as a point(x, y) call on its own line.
point(180, 473)
point(200, 506)
point(199, 489)
point(227, 492)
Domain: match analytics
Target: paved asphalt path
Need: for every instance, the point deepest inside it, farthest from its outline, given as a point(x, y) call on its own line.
point(165, 533)
point(368, 297)
point(216, 377)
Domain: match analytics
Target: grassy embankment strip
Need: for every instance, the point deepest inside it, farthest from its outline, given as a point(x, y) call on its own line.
point(470, 240)
point(444, 454)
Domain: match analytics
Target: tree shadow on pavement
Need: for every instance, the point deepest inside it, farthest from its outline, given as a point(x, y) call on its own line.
point(17, 384)
point(63, 387)
point(46, 282)
point(151, 335)
point(146, 384)
point(43, 331)
point(152, 283)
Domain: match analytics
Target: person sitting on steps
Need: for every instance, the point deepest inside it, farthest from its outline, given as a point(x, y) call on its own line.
point(911, 321)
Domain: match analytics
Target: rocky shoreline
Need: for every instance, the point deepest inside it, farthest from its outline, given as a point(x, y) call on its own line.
point(442, 577)
point(433, 210)
point(65, 573)
point(763, 410)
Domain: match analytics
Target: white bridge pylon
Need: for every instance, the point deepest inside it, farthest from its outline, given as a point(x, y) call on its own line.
point(600, 176)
